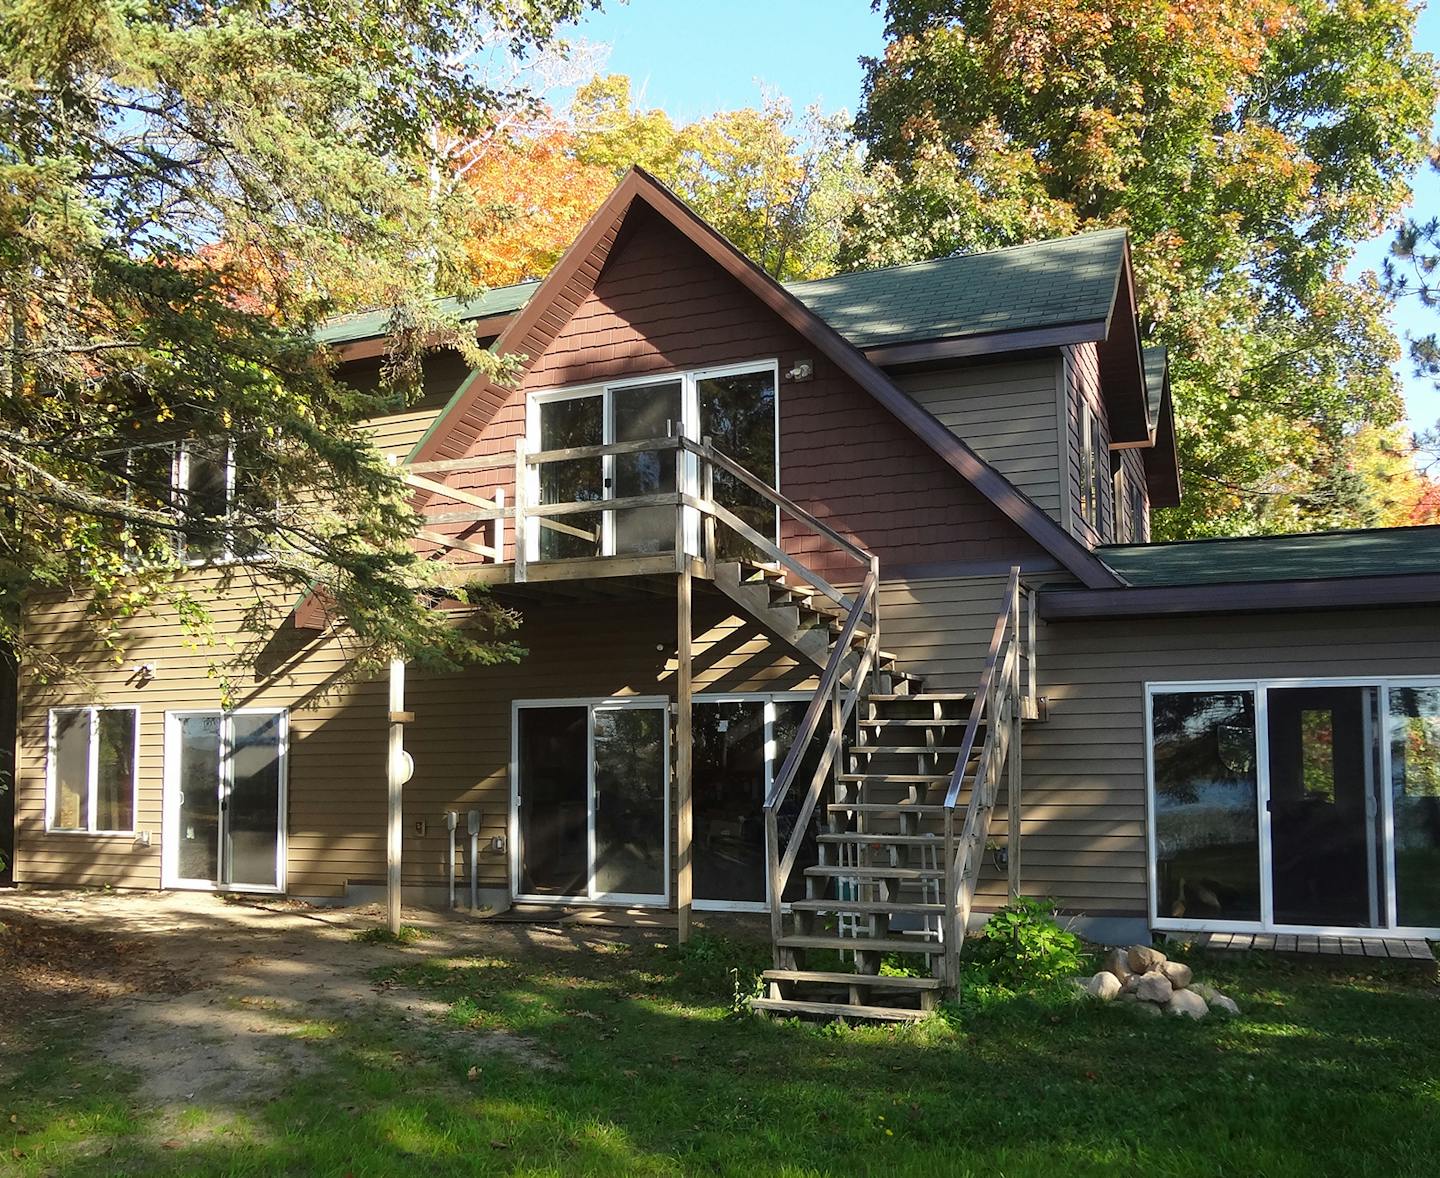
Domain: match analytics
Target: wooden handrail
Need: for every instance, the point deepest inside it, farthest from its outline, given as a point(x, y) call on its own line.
point(1002, 700)
point(708, 453)
point(982, 693)
point(780, 865)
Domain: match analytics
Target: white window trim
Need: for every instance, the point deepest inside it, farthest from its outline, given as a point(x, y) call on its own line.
point(1089, 502)
point(170, 849)
point(1266, 925)
point(591, 704)
point(689, 379)
point(92, 772)
point(179, 488)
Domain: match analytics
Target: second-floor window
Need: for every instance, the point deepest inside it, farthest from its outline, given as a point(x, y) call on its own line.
point(213, 500)
point(1094, 468)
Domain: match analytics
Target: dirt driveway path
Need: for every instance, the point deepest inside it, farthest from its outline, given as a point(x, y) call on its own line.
point(208, 1000)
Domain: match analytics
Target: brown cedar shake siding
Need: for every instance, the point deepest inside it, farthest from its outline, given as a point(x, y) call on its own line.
point(661, 305)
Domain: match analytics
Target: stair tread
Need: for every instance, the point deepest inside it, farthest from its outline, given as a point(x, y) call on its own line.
point(865, 944)
point(902, 750)
point(902, 778)
point(869, 907)
point(856, 836)
point(912, 721)
point(875, 871)
point(923, 696)
point(874, 981)
point(839, 1009)
point(886, 807)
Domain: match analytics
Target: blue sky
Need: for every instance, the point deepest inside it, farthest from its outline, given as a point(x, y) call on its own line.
point(693, 57)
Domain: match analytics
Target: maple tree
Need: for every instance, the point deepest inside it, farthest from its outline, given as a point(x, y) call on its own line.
point(778, 186)
point(1248, 148)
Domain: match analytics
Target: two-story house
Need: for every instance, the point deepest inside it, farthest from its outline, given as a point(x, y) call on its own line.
point(839, 604)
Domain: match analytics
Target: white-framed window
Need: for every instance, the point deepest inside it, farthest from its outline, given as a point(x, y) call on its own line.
point(1094, 467)
point(208, 494)
point(92, 769)
point(1294, 805)
point(737, 406)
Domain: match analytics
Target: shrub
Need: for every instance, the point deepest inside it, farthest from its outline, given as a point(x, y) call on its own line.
point(1023, 948)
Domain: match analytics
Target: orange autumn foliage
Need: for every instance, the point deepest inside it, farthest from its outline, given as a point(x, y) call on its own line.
point(532, 199)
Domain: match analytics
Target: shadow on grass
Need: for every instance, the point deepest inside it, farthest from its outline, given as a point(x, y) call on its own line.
point(625, 1060)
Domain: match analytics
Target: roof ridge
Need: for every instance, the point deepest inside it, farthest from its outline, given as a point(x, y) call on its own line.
point(999, 249)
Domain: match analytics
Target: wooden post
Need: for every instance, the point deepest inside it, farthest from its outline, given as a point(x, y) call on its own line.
point(707, 521)
point(684, 883)
point(396, 774)
point(1015, 719)
point(521, 478)
point(497, 535)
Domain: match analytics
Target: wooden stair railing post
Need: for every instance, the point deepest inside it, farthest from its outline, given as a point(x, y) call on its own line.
point(685, 820)
point(1014, 719)
point(522, 479)
point(497, 535)
point(707, 496)
point(954, 933)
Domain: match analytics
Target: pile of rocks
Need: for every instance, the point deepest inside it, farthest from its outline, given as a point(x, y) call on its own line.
point(1156, 985)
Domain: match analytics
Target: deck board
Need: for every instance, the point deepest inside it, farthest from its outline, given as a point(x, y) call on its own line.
point(1394, 948)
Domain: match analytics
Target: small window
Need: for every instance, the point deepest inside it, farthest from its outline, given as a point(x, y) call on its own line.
point(93, 769)
point(1094, 468)
point(1137, 512)
point(220, 512)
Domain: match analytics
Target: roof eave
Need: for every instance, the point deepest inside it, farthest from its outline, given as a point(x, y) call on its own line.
point(1159, 601)
point(985, 343)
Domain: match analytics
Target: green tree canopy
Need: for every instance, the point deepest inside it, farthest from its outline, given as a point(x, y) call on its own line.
point(1248, 148)
point(186, 191)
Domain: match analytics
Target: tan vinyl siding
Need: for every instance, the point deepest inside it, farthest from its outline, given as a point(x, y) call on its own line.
point(1085, 767)
point(1007, 414)
point(336, 819)
point(397, 433)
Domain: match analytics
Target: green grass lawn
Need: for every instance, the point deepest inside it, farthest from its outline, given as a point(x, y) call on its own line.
point(633, 1063)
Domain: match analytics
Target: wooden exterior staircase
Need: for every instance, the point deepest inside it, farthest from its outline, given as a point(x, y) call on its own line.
point(877, 822)
point(908, 787)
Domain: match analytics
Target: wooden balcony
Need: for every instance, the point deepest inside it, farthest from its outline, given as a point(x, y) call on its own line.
point(506, 537)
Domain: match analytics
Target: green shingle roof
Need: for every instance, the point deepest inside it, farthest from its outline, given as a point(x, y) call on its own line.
point(499, 300)
point(1311, 556)
point(1043, 284)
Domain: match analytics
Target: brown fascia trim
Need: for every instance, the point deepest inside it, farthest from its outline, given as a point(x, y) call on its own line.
point(1162, 460)
point(1240, 597)
point(615, 208)
point(1122, 363)
point(989, 344)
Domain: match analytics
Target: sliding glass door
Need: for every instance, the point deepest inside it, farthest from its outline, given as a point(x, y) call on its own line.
point(1295, 806)
point(225, 800)
point(1324, 797)
point(590, 801)
point(736, 407)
